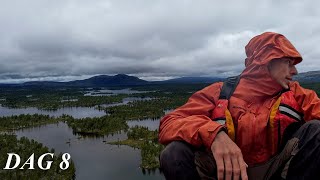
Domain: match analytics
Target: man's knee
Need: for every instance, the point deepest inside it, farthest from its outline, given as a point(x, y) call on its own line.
point(313, 124)
point(177, 161)
point(309, 133)
point(176, 152)
point(303, 162)
point(311, 128)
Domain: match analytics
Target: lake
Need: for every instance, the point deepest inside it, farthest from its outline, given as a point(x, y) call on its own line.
point(93, 158)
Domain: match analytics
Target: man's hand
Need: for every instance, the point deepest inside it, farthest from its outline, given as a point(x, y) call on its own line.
point(229, 158)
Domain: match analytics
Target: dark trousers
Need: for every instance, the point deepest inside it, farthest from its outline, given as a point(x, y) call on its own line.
point(299, 159)
point(177, 161)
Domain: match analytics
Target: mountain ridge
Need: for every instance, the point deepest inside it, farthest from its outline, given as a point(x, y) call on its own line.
point(127, 80)
point(99, 81)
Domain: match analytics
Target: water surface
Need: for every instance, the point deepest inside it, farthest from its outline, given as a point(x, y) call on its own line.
point(93, 158)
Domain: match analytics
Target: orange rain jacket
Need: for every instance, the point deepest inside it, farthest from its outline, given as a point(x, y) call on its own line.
point(255, 106)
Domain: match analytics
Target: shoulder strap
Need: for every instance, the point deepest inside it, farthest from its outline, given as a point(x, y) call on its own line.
point(229, 85)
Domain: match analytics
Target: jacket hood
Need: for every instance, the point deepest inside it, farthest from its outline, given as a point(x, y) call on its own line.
point(263, 48)
point(256, 79)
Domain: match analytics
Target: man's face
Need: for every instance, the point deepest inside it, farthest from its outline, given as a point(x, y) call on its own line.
point(282, 70)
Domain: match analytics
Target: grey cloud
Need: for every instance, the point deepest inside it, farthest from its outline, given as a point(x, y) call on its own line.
point(43, 38)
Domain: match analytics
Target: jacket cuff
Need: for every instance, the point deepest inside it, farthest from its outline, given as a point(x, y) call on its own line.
point(209, 131)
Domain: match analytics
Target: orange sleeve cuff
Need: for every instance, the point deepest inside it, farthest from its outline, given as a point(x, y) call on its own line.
point(209, 131)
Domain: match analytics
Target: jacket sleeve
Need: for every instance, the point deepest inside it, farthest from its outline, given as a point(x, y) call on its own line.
point(308, 101)
point(191, 122)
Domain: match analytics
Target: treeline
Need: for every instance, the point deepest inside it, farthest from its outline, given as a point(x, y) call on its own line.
point(139, 110)
point(97, 126)
point(25, 120)
point(25, 148)
point(147, 142)
point(85, 126)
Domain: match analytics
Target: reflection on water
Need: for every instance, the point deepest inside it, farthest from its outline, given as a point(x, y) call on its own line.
point(94, 159)
point(76, 112)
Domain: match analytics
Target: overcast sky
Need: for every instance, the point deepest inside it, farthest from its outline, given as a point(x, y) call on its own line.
point(64, 40)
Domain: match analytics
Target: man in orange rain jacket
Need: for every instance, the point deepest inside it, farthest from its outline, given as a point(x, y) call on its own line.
point(267, 129)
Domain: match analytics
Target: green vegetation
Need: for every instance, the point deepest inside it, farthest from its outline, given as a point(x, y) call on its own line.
point(25, 148)
point(147, 141)
point(97, 126)
point(85, 126)
point(52, 98)
point(313, 86)
point(25, 120)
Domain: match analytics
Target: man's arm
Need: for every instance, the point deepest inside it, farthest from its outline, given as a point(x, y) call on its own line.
point(191, 122)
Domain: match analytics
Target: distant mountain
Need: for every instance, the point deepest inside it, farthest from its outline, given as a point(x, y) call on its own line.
point(311, 76)
point(126, 80)
point(194, 80)
point(96, 81)
point(103, 80)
